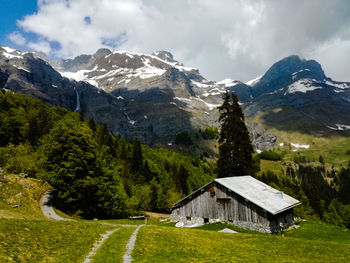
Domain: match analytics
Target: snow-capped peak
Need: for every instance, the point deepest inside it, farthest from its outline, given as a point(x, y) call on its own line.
point(11, 53)
point(228, 82)
point(252, 82)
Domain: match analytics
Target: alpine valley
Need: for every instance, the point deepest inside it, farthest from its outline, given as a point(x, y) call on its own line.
point(154, 97)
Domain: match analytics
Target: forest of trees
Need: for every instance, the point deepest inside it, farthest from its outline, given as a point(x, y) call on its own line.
point(99, 175)
point(321, 200)
point(94, 173)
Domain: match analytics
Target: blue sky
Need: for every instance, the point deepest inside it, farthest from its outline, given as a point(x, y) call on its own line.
point(237, 39)
point(10, 12)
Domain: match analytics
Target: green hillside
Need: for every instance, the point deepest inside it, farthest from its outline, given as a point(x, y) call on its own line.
point(26, 236)
point(94, 172)
point(164, 244)
point(19, 197)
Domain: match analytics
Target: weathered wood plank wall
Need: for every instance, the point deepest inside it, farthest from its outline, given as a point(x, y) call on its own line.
point(217, 202)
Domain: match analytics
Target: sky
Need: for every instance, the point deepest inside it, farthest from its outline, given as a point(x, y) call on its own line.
point(237, 39)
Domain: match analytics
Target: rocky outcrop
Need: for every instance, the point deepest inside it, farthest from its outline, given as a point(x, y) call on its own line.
point(262, 140)
point(154, 97)
point(295, 95)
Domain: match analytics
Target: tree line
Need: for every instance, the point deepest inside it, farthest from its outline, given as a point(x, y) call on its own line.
point(95, 174)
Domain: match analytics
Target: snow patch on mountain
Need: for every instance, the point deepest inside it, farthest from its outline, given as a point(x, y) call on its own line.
point(302, 85)
point(201, 85)
point(253, 81)
point(81, 75)
point(213, 92)
point(338, 85)
point(300, 146)
point(340, 127)
point(11, 53)
point(148, 71)
point(191, 102)
point(21, 68)
point(228, 83)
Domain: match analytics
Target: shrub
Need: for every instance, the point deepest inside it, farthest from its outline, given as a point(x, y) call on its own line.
point(183, 138)
point(299, 158)
point(210, 133)
point(270, 155)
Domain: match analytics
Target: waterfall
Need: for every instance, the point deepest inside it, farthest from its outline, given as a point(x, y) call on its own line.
point(77, 108)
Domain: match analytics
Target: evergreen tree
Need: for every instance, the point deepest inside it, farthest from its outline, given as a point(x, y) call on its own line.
point(137, 159)
point(235, 147)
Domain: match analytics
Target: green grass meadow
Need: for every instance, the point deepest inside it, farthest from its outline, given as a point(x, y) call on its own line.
point(46, 241)
point(160, 244)
point(27, 236)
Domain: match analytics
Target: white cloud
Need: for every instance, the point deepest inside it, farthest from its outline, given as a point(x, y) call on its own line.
point(236, 39)
point(41, 45)
point(17, 38)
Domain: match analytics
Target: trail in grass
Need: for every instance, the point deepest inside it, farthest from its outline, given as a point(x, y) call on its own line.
point(98, 244)
point(130, 246)
point(47, 209)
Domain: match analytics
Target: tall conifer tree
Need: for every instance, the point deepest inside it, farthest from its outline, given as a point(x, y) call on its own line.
point(235, 147)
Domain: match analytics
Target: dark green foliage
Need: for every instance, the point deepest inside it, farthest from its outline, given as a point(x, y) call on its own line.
point(210, 133)
point(83, 181)
point(321, 159)
point(300, 158)
point(183, 138)
point(319, 199)
point(270, 155)
point(256, 163)
point(94, 173)
point(137, 159)
point(344, 183)
point(235, 147)
point(23, 119)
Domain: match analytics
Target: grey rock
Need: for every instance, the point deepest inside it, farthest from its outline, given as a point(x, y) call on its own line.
point(227, 230)
point(154, 97)
point(23, 175)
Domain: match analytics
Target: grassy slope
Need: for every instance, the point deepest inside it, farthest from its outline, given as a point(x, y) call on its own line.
point(320, 231)
point(164, 244)
point(25, 192)
point(27, 236)
point(332, 147)
point(46, 241)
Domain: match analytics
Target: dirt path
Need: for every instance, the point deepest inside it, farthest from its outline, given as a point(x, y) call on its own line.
point(48, 210)
point(98, 244)
point(130, 246)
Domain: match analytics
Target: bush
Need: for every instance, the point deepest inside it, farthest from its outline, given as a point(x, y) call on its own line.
point(270, 155)
point(299, 158)
point(183, 138)
point(210, 133)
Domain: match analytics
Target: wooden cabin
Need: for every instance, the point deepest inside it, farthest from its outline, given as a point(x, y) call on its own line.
point(242, 200)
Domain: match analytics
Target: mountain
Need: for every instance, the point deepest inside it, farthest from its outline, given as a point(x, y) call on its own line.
point(151, 97)
point(296, 95)
point(155, 97)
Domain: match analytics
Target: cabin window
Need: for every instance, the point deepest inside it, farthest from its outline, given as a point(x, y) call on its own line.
point(206, 220)
point(212, 194)
point(223, 200)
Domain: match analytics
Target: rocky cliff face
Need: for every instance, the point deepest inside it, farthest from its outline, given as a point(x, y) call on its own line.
point(295, 95)
point(134, 94)
point(154, 97)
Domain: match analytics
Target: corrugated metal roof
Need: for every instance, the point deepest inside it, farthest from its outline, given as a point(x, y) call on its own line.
point(259, 193)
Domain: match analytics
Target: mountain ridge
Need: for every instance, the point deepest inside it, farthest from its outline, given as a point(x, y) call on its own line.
point(155, 97)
